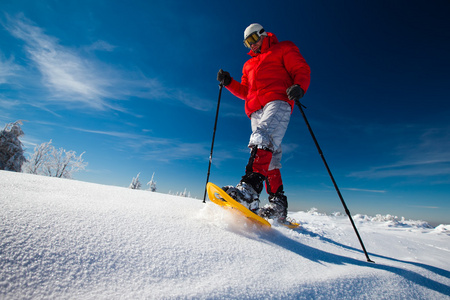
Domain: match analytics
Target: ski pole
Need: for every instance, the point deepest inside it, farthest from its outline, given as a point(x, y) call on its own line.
point(332, 179)
point(214, 136)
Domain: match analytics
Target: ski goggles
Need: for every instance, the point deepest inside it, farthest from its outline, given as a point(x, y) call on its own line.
point(253, 38)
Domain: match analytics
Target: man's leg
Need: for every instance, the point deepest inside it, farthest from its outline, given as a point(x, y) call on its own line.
point(269, 126)
point(277, 209)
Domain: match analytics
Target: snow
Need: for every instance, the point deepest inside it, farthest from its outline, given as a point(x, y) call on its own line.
point(65, 239)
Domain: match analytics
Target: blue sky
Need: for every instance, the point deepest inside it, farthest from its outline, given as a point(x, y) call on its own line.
point(133, 85)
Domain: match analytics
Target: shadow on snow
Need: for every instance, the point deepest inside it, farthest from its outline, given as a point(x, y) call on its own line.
point(320, 256)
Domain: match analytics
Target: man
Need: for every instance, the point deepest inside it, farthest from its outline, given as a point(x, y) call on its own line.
point(272, 80)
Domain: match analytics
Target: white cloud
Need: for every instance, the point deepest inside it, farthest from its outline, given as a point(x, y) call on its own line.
point(426, 156)
point(364, 190)
point(101, 45)
point(154, 148)
point(8, 69)
point(423, 206)
point(73, 79)
point(67, 76)
point(8, 104)
point(424, 170)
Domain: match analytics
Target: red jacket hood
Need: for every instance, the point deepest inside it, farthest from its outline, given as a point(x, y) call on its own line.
point(268, 41)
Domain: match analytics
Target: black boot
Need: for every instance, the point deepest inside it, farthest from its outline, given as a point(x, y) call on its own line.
point(277, 209)
point(255, 180)
point(247, 191)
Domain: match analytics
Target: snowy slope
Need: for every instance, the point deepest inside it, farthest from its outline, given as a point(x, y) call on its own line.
point(67, 239)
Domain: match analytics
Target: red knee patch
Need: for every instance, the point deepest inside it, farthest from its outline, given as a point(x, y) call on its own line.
point(261, 161)
point(274, 181)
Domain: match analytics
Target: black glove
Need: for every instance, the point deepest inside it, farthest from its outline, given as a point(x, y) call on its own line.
point(295, 92)
point(224, 77)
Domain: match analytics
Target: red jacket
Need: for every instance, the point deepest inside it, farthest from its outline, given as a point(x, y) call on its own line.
point(268, 74)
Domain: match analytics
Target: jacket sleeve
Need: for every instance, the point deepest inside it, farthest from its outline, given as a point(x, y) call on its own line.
point(240, 90)
point(297, 67)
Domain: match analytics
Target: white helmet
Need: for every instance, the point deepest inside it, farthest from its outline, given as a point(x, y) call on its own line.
point(255, 27)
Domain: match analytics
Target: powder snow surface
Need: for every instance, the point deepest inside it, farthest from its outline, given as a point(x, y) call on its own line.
point(64, 239)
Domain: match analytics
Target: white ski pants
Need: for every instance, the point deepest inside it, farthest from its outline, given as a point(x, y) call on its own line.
point(269, 126)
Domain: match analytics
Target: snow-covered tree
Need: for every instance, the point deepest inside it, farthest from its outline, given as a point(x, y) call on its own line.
point(11, 150)
point(152, 184)
point(64, 163)
point(184, 194)
point(135, 183)
point(38, 159)
point(47, 160)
